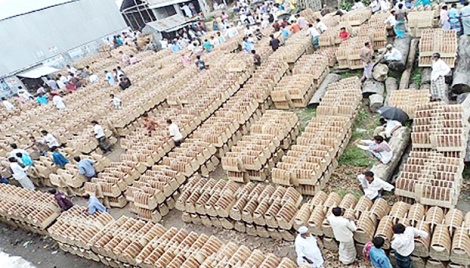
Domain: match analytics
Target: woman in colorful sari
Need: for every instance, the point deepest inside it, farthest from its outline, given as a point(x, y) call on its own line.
point(444, 18)
point(401, 17)
point(454, 18)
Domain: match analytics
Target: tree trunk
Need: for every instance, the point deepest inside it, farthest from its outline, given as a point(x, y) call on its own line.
point(405, 79)
point(320, 92)
point(425, 78)
point(403, 45)
point(461, 80)
point(370, 87)
point(412, 55)
point(380, 72)
point(391, 84)
point(376, 101)
point(399, 142)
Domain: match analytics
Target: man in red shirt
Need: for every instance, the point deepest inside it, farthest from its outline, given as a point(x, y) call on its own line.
point(343, 34)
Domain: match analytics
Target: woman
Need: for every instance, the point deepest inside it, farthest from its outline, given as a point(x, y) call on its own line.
point(401, 17)
point(444, 18)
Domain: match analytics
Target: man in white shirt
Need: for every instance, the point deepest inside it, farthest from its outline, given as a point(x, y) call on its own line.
point(403, 243)
point(373, 187)
point(392, 54)
point(343, 230)
point(20, 174)
point(388, 128)
point(232, 31)
point(49, 139)
point(116, 101)
point(103, 142)
point(390, 23)
point(72, 70)
point(378, 148)
point(16, 150)
point(312, 31)
point(164, 43)
point(307, 249)
point(214, 41)
point(438, 84)
point(175, 133)
point(321, 27)
point(93, 78)
point(8, 105)
point(58, 102)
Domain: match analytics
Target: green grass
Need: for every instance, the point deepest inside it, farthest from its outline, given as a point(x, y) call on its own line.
point(416, 77)
point(395, 74)
point(344, 191)
point(305, 115)
point(357, 73)
point(354, 156)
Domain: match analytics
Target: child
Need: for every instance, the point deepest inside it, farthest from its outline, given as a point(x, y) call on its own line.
point(58, 158)
point(116, 101)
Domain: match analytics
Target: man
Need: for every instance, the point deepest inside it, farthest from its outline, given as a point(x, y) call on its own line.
point(149, 124)
point(221, 38)
point(175, 47)
point(377, 255)
point(8, 105)
point(125, 82)
point(343, 34)
point(93, 78)
point(388, 128)
point(164, 43)
point(232, 31)
point(274, 42)
point(103, 142)
point(58, 158)
point(392, 54)
point(214, 42)
point(58, 102)
point(248, 30)
point(110, 78)
point(378, 148)
point(16, 150)
point(247, 45)
point(343, 230)
point(321, 27)
point(200, 63)
point(133, 60)
point(187, 10)
point(256, 58)
point(52, 84)
point(175, 133)
point(276, 26)
point(294, 27)
point(63, 202)
point(366, 58)
point(124, 57)
point(403, 243)
point(401, 17)
point(61, 81)
point(307, 249)
point(358, 5)
point(390, 23)
point(301, 21)
point(312, 31)
point(465, 17)
point(85, 167)
point(207, 46)
point(95, 205)
point(373, 187)
point(284, 34)
point(49, 139)
point(454, 18)
point(116, 101)
point(438, 84)
point(71, 70)
point(19, 173)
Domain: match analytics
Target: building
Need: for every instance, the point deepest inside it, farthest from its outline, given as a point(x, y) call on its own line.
point(39, 37)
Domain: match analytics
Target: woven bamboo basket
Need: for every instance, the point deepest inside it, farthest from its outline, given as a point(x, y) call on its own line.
point(422, 244)
point(460, 252)
point(440, 243)
point(365, 228)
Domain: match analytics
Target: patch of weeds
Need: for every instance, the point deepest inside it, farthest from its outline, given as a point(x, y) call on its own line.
point(357, 73)
point(466, 172)
point(208, 19)
point(395, 74)
point(416, 77)
point(305, 115)
point(344, 191)
point(354, 156)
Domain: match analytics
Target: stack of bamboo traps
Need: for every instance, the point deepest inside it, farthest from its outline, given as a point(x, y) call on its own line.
point(409, 99)
point(293, 91)
point(311, 15)
point(256, 209)
point(438, 40)
point(31, 210)
point(309, 163)
point(348, 54)
point(74, 229)
point(448, 241)
point(356, 17)
point(375, 29)
point(329, 52)
point(295, 47)
point(253, 157)
point(420, 21)
point(433, 172)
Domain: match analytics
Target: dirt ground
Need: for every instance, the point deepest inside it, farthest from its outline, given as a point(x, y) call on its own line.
point(43, 252)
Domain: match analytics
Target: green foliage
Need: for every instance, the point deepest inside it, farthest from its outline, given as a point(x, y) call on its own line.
point(345, 5)
point(305, 115)
point(208, 19)
point(416, 77)
point(354, 156)
point(357, 73)
point(344, 191)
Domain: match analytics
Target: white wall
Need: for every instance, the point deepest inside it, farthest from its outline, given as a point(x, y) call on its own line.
point(37, 36)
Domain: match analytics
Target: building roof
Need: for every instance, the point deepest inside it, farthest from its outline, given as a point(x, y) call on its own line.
point(168, 23)
point(12, 8)
point(164, 3)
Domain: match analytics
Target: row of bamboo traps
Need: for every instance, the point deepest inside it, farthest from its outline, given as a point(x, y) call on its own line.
point(442, 41)
point(449, 230)
point(255, 208)
point(214, 137)
point(30, 210)
point(409, 100)
point(441, 127)
point(310, 162)
point(248, 159)
point(348, 54)
point(127, 241)
point(431, 178)
point(295, 91)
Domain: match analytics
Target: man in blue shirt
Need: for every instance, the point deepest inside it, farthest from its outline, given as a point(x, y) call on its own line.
point(377, 255)
point(58, 158)
point(85, 167)
point(207, 46)
point(175, 47)
point(95, 205)
point(247, 45)
point(284, 33)
point(110, 78)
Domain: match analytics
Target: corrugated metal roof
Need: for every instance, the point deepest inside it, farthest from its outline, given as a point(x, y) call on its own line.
point(12, 8)
point(167, 23)
point(164, 3)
